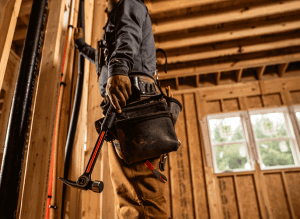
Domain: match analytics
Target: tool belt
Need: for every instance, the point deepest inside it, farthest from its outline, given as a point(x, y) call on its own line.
point(145, 128)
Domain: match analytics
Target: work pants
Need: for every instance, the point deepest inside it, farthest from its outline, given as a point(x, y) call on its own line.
point(138, 193)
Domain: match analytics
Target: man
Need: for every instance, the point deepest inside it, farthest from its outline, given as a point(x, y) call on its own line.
point(131, 52)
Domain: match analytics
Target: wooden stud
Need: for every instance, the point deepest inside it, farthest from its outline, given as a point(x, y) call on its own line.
point(218, 77)
point(260, 71)
point(236, 189)
point(197, 80)
point(177, 83)
point(197, 171)
point(282, 68)
point(9, 10)
point(262, 195)
point(239, 75)
point(288, 196)
point(182, 195)
point(37, 166)
point(9, 84)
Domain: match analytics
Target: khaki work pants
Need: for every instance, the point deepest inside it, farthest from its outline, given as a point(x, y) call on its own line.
point(138, 193)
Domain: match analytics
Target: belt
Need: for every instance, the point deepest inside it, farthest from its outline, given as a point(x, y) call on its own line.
point(143, 86)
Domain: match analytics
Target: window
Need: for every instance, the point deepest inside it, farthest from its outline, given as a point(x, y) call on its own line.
point(229, 146)
point(239, 139)
point(274, 138)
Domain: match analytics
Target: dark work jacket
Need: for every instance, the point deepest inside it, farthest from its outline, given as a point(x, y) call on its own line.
point(128, 33)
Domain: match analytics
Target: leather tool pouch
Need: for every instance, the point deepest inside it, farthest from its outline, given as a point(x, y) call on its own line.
point(146, 129)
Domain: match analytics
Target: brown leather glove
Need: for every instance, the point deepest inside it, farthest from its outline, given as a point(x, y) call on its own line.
point(78, 33)
point(118, 89)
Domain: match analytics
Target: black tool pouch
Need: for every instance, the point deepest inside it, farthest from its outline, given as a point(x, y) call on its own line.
point(146, 131)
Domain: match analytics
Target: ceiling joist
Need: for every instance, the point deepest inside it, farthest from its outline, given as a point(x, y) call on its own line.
point(191, 22)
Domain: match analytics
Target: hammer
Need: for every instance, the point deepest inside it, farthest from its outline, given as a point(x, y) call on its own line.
point(84, 182)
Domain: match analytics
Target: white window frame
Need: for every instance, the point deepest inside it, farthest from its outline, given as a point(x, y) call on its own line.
point(253, 152)
point(242, 115)
point(291, 133)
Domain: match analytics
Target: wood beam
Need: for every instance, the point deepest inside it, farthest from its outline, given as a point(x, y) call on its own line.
point(213, 51)
point(239, 75)
point(215, 67)
point(225, 17)
point(228, 35)
point(260, 71)
point(24, 19)
point(9, 84)
point(91, 203)
point(20, 34)
point(158, 7)
point(197, 80)
point(25, 8)
point(9, 10)
point(282, 68)
point(177, 83)
point(37, 167)
point(218, 77)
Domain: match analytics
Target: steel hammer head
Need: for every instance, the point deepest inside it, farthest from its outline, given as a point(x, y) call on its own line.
point(85, 183)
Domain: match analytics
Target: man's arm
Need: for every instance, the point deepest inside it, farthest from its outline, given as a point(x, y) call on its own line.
point(86, 50)
point(130, 15)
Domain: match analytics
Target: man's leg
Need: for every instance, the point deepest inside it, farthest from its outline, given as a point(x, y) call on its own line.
point(138, 193)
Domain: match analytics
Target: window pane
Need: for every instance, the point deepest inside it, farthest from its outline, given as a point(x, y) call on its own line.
point(298, 116)
point(276, 153)
point(231, 157)
point(271, 125)
point(226, 130)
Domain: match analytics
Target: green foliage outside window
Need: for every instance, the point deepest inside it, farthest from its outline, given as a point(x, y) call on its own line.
point(271, 152)
point(228, 156)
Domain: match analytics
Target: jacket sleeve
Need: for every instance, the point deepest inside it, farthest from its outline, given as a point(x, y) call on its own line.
point(86, 50)
point(129, 19)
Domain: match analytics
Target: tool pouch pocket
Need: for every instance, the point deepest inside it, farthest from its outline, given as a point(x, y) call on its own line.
point(146, 131)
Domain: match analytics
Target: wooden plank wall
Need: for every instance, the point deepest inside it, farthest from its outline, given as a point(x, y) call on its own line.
point(257, 194)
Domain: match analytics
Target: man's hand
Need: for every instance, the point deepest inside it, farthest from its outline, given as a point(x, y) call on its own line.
point(118, 89)
point(78, 33)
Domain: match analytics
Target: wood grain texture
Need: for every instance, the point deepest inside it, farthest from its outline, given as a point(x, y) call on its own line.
point(247, 197)
point(9, 11)
point(91, 201)
point(197, 172)
point(9, 84)
point(39, 150)
point(181, 188)
point(293, 185)
point(278, 201)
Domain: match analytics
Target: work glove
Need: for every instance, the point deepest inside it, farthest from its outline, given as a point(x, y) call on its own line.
point(118, 89)
point(78, 33)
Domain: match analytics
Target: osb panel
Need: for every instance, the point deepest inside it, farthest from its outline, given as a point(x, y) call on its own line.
point(196, 162)
point(247, 197)
point(295, 96)
point(272, 100)
point(228, 198)
point(276, 193)
point(231, 104)
point(180, 173)
point(293, 183)
point(213, 107)
point(254, 101)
